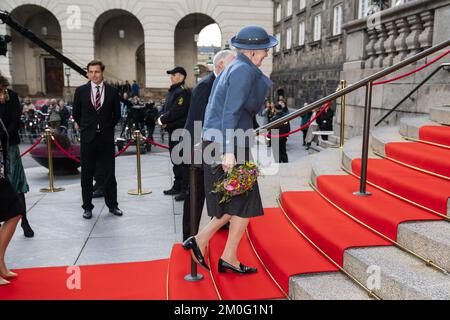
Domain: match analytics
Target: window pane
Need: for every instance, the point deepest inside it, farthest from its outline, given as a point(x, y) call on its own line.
point(277, 48)
point(302, 4)
point(278, 12)
point(301, 33)
point(289, 8)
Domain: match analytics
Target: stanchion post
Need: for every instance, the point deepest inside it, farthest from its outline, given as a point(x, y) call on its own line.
point(193, 179)
point(365, 146)
point(52, 189)
point(343, 85)
point(139, 191)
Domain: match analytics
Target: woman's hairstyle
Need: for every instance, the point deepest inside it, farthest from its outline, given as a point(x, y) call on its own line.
point(3, 82)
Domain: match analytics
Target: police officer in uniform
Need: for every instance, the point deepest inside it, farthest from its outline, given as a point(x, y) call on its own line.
point(174, 117)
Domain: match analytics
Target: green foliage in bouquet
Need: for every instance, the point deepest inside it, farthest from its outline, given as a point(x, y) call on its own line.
point(240, 180)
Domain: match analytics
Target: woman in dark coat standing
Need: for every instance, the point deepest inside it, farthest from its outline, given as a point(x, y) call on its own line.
point(10, 111)
point(10, 208)
point(237, 95)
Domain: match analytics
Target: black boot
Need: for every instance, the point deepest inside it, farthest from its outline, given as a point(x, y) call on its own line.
point(27, 231)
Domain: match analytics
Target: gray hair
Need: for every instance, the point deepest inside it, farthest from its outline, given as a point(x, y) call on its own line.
point(221, 55)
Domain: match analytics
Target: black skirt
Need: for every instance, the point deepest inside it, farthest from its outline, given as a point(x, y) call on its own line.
point(10, 203)
point(247, 205)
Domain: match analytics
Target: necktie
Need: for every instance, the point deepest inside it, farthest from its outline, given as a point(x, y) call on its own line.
point(98, 99)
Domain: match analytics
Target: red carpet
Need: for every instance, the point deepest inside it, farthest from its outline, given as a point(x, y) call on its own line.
point(435, 134)
point(427, 190)
point(326, 226)
point(233, 286)
point(125, 281)
point(421, 155)
point(180, 289)
point(381, 211)
point(283, 250)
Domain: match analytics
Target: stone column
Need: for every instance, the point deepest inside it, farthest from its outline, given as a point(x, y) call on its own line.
point(389, 44)
point(426, 37)
point(370, 48)
point(412, 40)
point(380, 47)
point(400, 41)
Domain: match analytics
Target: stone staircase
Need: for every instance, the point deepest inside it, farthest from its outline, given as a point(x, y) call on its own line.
point(392, 273)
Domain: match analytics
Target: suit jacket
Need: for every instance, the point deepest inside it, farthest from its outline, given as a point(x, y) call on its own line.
point(88, 118)
point(237, 95)
point(199, 101)
point(10, 114)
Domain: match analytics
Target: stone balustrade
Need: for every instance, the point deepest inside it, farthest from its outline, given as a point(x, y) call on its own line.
point(398, 33)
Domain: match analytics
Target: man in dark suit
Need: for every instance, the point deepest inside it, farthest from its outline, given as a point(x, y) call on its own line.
point(96, 109)
point(196, 115)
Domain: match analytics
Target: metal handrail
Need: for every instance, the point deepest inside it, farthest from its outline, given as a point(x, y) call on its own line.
point(442, 66)
point(368, 82)
point(353, 87)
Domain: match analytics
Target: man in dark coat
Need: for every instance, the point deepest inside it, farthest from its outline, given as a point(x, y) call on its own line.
point(199, 101)
point(174, 115)
point(96, 109)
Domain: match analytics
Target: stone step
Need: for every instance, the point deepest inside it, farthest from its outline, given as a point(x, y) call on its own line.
point(352, 150)
point(440, 114)
point(383, 135)
point(430, 239)
point(409, 127)
point(295, 176)
point(325, 286)
point(395, 275)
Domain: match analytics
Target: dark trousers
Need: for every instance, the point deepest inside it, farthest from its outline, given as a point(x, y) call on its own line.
point(200, 200)
point(282, 152)
point(99, 152)
point(181, 178)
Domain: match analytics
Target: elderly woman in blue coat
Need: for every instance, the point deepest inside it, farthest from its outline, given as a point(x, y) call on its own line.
point(237, 95)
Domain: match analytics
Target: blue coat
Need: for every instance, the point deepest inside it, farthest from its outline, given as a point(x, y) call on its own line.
point(237, 95)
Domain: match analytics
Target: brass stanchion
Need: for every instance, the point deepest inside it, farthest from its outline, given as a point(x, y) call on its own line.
point(139, 191)
point(341, 142)
point(52, 189)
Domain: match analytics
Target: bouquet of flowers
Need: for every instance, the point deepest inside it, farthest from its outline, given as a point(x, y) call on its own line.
point(240, 180)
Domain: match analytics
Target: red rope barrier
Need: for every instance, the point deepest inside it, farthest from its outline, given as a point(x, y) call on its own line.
point(156, 143)
point(64, 151)
point(302, 127)
point(33, 146)
point(413, 71)
point(130, 142)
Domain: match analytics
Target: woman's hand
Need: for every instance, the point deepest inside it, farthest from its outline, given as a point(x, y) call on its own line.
point(228, 162)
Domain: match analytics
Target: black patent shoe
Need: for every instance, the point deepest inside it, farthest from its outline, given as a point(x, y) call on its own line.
point(87, 214)
point(116, 211)
point(224, 266)
point(27, 231)
point(191, 243)
point(172, 192)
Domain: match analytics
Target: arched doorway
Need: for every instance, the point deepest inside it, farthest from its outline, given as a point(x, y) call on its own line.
point(119, 43)
point(187, 52)
point(35, 71)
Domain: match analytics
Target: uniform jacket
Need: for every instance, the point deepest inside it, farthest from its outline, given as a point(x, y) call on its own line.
point(199, 101)
point(176, 107)
point(88, 118)
point(237, 95)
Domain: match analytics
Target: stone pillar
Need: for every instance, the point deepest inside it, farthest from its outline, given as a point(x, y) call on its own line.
point(380, 47)
point(370, 48)
point(400, 43)
point(389, 44)
point(426, 37)
point(412, 40)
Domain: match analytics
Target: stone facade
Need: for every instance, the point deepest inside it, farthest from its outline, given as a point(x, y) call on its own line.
point(85, 31)
point(402, 31)
point(309, 71)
